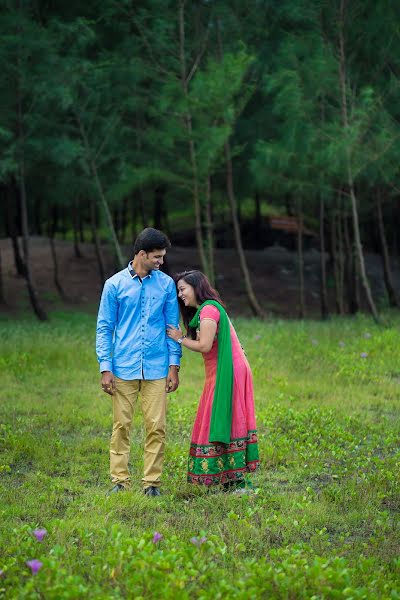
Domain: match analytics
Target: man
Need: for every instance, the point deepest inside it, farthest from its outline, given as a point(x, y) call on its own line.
point(136, 357)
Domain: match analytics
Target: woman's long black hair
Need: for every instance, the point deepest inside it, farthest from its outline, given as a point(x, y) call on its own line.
point(203, 291)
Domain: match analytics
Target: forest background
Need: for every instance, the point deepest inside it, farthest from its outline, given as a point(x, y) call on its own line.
point(229, 125)
point(263, 137)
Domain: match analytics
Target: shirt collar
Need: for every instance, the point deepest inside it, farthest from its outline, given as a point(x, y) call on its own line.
point(133, 274)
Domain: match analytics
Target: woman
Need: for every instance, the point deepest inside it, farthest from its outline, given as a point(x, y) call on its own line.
point(224, 438)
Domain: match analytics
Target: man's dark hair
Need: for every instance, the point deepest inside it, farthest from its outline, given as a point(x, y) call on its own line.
point(151, 239)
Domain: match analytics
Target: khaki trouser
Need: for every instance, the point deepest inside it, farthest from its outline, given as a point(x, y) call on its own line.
point(154, 400)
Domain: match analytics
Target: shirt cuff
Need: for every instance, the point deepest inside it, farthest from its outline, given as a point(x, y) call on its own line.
point(105, 365)
point(174, 361)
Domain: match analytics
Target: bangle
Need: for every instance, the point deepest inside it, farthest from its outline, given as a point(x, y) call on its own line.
point(181, 339)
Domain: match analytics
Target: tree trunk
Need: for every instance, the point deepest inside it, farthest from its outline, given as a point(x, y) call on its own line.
point(192, 150)
point(210, 233)
point(19, 263)
point(37, 308)
point(96, 241)
point(352, 285)
point(141, 199)
point(256, 308)
point(51, 233)
point(2, 296)
point(396, 227)
point(254, 304)
point(81, 225)
point(350, 181)
point(336, 264)
point(93, 168)
point(338, 254)
point(324, 289)
point(75, 225)
point(300, 260)
point(12, 229)
point(56, 279)
point(387, 272)
point(341, 259)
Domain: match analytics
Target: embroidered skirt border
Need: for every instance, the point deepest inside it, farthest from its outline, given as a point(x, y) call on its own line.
point(219, 463)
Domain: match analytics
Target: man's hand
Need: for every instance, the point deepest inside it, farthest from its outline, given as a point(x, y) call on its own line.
point(172, 379)
point(107, 382)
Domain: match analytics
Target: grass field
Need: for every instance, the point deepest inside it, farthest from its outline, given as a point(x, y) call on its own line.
point(322, 524)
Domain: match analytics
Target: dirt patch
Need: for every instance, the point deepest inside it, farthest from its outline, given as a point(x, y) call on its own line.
point(273, 272)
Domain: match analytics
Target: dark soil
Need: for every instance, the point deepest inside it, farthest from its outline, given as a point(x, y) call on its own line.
point(273, 272)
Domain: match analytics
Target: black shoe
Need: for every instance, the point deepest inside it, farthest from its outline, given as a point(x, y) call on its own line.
point(233, 486)
point(117, 488)
point(152, 491)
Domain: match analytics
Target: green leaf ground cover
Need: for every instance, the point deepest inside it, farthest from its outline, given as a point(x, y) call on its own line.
point(323, 522)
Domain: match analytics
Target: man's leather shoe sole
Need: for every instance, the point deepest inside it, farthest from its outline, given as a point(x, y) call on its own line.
point(152, 491)
point(117, 488)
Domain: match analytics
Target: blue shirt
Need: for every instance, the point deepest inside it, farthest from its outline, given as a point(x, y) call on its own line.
point(131, 338)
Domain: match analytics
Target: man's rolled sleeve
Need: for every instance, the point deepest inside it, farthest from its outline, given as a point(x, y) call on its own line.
point(105, 365)
point(106, 322)
point(171, 313)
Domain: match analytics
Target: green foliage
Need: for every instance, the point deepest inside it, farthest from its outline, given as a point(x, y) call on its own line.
point(308, 148)
point(171, 567)
point(265, 76)
point(323, 519)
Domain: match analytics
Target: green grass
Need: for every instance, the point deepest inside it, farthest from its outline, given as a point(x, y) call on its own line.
point(323, 523)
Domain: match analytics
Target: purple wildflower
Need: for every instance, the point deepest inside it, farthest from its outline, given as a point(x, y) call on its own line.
point(257, 337)
point(367, 335)
point(40, 534)
point(35, 565)
point(364, 354)
point(314, 342)
point(157, 537)
point(198, 541)
point(342, 344)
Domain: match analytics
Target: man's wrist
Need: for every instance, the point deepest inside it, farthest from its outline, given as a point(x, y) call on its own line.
point(177, 367)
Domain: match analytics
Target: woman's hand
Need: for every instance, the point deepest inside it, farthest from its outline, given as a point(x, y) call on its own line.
point(175, 333)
